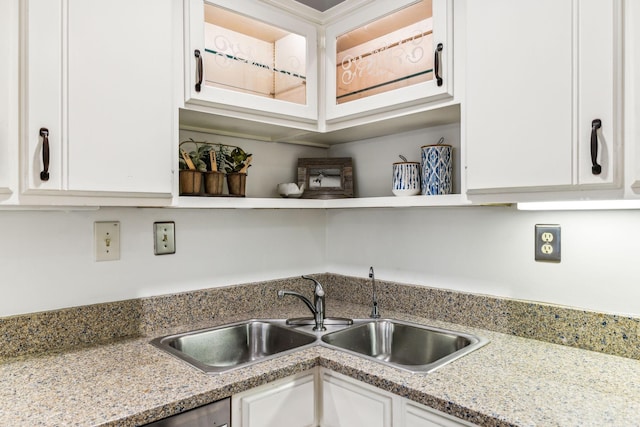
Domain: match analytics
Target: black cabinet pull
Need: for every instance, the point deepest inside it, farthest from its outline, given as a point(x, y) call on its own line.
point(198, 70)
point(595, 168)
point(437, 59)
point(44, 133)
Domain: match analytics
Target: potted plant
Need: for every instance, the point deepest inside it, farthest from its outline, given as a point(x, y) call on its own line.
point(213, 178)
point(237, 162)
point(191, 170)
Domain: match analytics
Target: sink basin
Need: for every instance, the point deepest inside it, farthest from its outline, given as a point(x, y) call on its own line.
point(235, 345)
point(404, 345)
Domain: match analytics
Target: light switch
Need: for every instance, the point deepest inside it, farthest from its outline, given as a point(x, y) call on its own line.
point(164, 234)
point(106, 237)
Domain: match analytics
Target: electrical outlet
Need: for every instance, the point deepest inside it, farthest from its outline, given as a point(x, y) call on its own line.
point(106, 238)
point(547, 242)
point(164, 238)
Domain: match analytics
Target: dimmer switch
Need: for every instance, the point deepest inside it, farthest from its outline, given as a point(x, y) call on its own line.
point(547, 243)
point(164, 234)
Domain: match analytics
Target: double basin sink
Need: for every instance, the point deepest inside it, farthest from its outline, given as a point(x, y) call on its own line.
point(404, 345)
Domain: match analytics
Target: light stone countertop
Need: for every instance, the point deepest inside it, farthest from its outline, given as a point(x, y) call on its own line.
point(510, 381)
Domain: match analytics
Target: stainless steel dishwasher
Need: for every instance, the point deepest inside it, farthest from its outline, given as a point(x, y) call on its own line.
point(216, 414)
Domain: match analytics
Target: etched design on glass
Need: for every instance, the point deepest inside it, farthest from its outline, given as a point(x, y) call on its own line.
point(436, 169)
point(389, 53)
point(377, 62)
point(246, 55)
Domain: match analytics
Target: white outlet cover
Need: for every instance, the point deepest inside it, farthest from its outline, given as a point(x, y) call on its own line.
point(106, 238)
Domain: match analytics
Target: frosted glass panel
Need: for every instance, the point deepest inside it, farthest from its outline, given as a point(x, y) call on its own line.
point(247, 55)
point(392, 52)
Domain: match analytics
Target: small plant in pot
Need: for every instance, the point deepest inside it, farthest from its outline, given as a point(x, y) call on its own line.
point(191, 169)
point(213, 178)
point(237, 162)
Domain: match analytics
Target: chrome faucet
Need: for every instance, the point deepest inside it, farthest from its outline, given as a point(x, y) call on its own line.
point(317, 307)
point(375, 314)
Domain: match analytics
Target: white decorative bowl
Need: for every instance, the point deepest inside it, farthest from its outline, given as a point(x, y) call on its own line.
point(290, 190)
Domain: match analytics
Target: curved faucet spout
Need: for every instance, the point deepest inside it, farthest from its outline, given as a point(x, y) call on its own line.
point(281, 294)
point(316, 307)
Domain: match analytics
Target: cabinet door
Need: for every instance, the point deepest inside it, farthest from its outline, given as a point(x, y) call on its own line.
point(8, 97)
point(416, 415)
point(387, 55)
point(248, 58)
point(349, 403)
point(100, 80)
point(538, 74)
point(43, 79)
point(290, 402)
point(632, 100)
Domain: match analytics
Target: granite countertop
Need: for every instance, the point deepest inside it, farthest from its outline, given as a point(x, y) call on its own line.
point(510, 381)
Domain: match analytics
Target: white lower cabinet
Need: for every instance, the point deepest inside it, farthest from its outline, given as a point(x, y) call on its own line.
point(324, 398)
point(416, 415)
point(350, 403)
point(290, 402)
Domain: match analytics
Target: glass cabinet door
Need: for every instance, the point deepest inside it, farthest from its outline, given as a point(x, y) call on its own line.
point(385, 57)
point(239, 58)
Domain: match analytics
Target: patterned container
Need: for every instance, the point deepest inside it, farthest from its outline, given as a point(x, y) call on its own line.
point(406, 178)
point(436, 169)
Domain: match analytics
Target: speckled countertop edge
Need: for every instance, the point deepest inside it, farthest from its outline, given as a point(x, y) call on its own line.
point(511, 381)
point(75, 327)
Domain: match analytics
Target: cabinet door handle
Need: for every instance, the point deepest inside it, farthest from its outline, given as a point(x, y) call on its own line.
point(44, 133)
point(595, 168)
point(437, 59)
point(198, 70)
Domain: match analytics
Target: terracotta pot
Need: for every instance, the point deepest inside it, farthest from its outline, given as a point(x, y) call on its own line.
point(236, 182)
point(190, 182)
point(213, 182)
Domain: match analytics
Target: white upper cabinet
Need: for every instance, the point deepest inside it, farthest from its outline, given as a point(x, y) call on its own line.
point(99, 115)
point(543, 94)
point(8, 98)
point(388, 55)
point(251, 61)
point(632, 96)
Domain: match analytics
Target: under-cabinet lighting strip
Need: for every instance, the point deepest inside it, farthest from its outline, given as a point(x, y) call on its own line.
point(580, 205)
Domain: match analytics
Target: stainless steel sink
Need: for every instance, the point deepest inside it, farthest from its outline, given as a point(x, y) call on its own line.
point(407, 346)
point(234, 345)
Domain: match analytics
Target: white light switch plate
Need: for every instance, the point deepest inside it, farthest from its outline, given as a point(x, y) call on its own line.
point(164, 238)
point(106, 238)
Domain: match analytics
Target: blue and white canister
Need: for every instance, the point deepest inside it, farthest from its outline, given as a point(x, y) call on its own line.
point(406, 178)
point(436, 169)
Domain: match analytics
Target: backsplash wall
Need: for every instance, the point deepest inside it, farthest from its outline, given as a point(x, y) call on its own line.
point(490, 250)
point(46, 258)
point(47, 261)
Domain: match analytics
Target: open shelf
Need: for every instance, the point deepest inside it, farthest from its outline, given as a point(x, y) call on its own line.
point(348, 203)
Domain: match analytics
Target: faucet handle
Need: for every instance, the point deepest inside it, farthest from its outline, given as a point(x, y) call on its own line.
point(319, 291)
